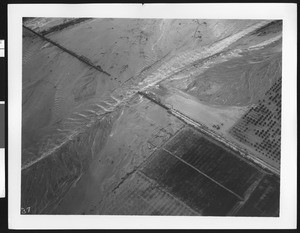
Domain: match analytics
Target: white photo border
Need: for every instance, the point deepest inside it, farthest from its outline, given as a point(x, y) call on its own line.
point(288, 179)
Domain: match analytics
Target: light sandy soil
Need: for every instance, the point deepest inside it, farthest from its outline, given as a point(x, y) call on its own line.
point(214, 117)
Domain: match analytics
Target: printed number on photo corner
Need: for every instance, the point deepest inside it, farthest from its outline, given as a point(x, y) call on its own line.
point(25, 210)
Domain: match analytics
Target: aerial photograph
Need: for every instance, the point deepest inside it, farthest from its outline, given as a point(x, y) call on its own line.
point(151, 116)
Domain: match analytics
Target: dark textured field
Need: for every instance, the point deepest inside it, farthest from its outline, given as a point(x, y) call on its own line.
point(192, 175)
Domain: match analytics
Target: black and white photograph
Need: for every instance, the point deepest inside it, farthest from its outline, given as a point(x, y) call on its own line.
point(151, 116)
point(154, 116)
